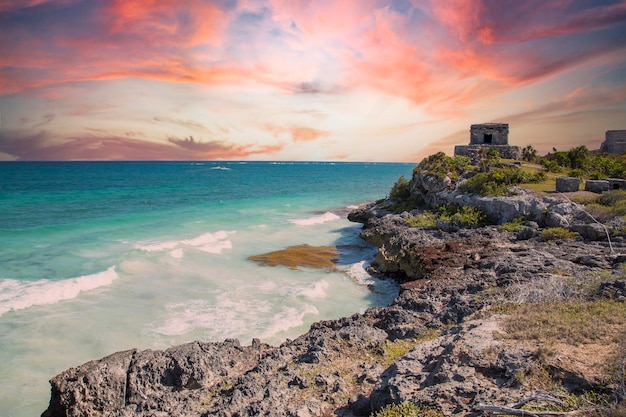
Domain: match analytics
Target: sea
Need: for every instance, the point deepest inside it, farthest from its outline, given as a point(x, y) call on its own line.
point(98, 257)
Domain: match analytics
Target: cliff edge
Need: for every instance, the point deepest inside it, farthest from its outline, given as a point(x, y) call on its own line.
point(489, 319)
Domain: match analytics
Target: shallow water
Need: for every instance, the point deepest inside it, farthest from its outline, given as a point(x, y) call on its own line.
point(101, 257)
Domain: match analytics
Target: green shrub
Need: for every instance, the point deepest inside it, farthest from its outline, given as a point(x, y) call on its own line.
point(425, 219)
point(612, 198)
point(400, 190)
point(465, 216)
point(551, 166)
point(407, 409)
point(497, 182)
point(606, 206)
point(512, 226)
point(440, 165)
point(557, 233)
point(585, 164)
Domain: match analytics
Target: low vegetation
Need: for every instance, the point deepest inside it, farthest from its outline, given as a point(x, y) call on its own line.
point(582, 163)
point(512, 226)
point(571, 322)
point(552, 234)
point(407, 409)
point(457, 216)
point(440, 165)
point(498, 181)
point(607, 205)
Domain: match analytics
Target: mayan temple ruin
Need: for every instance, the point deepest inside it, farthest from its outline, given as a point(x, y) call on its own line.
point(614, 142)
point(485, 136)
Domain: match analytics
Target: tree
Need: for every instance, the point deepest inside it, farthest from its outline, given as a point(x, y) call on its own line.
point(529, 154)
point(578, 157)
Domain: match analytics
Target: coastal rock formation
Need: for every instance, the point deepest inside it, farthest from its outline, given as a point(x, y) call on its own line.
point(429, 346)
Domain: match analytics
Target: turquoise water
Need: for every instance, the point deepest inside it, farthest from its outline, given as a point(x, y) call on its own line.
point(103, 256)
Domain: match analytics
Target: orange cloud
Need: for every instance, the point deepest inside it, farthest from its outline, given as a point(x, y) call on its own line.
point(298, 133)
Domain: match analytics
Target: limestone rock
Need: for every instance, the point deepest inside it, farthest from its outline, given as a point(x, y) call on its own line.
point(567, 184)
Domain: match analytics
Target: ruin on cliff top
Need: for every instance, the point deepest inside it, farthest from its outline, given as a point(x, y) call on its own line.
point(485, 136)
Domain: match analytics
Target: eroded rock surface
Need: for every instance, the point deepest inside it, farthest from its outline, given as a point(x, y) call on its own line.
point(428, 346)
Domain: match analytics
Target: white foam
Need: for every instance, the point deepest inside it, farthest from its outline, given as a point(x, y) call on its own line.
point(288, 318)
point(221, 168)
point(221, 318)
point(358, 273)
point(322, 218)
point(206, 242)
point(19, 295)
point(318, 290)
point(177, 253)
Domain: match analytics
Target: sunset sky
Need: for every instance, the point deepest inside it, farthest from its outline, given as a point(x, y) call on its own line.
point(341, 80)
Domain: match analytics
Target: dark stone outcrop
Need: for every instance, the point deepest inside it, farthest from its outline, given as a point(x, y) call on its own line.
point(428, 346)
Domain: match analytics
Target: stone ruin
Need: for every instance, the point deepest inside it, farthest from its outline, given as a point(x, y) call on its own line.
point(614, 142)
point(606, 184)
point(486, 136)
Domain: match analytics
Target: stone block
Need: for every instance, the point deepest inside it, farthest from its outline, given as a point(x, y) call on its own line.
point(597, 186)
point(616, 183)
point(567, 184)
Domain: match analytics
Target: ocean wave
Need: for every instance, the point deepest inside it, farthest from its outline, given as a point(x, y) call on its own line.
point(322, 218)
point(318, 290)
point(288, 318)
point(220, 318)
point(358, 273)
point(19, 295)
point(206, 242)
point(221, 168)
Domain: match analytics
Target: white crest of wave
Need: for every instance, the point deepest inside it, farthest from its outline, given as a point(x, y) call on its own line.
point(287, 319)
point(19, 295)
point(207, 242)
point(318, 290)
point(358, 273)
point(322, 218)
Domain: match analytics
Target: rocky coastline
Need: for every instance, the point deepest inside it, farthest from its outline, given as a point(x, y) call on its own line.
point(441, 344)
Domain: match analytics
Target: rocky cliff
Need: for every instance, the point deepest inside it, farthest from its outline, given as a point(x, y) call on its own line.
point(442, 343)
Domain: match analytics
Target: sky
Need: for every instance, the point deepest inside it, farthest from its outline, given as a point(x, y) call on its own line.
point(323, 80)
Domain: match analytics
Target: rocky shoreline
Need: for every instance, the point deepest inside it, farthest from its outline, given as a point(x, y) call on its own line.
point(436, 344)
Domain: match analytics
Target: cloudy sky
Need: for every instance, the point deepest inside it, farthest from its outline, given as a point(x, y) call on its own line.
point(353, 80)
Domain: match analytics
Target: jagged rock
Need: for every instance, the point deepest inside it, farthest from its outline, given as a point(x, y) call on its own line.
point(615, 290)
point(554, 219)
point(455, 371)
point(430, 183)
point(525, 233)
point(340, 366)
point(590, 231)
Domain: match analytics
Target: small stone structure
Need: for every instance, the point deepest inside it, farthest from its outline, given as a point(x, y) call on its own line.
point(486, 136)
point(614, 142)
point(597, 186)
point(616, 183)
point(567, 184)
point(606, 184)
